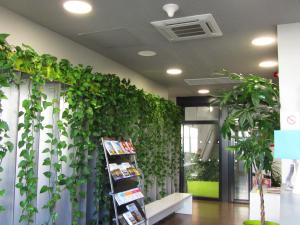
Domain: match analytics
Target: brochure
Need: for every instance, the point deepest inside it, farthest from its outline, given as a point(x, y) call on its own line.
point(128, 196)
point(135, 212)
point(109, 148)
point(129, 218)
point(118, 147)
point(127, 146)
point(123, 170)
point(132, 216)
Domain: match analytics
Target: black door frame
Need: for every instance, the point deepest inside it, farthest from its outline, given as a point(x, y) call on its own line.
point(197, 101)
point(182, 180)
point(226, 158)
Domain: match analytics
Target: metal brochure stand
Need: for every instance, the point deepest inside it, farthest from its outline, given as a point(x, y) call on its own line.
point(124, 184)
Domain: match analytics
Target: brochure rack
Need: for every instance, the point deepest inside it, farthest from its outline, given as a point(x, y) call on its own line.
point(125, 181)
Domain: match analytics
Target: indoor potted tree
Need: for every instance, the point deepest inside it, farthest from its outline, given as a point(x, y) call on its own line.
point(252, 116)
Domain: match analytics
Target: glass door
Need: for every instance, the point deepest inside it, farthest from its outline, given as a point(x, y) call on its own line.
point(241, 181)
point(201, 164)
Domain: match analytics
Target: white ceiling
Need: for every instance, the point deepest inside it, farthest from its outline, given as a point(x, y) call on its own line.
point(123, 28)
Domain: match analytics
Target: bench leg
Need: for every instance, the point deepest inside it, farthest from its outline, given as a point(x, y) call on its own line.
point(186, 206)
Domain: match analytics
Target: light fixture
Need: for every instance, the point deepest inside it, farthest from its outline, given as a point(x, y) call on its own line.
point(174, 71)
point(146, 53)
point(203, 91)
point(211, 108)
point(170, 9)
point(77, 6)
point(268, 64)
point(263, 41)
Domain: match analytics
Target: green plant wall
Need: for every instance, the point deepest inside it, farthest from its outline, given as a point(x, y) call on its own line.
point(98, 105)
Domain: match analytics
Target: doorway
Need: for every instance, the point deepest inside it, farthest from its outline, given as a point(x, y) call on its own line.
point(201, 166)
point(208, 170)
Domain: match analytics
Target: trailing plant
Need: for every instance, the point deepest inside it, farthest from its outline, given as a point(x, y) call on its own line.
point(55, 160)
point(32, 122)
point(253, 115)
point(97, 105)
point(5, 81)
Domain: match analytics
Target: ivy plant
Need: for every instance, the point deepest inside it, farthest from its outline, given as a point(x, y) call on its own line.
point(98, 105)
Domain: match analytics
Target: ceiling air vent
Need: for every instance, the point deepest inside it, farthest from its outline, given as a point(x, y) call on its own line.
point(210, 81)
point(187, 28)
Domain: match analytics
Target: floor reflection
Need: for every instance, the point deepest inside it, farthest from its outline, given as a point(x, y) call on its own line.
point(211, 213)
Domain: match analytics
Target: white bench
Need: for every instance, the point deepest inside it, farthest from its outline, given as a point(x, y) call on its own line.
point(174, 203)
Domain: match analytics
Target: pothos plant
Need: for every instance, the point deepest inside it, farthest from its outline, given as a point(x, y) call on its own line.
point(252, 116)
point(97, 105)
point(5, 81)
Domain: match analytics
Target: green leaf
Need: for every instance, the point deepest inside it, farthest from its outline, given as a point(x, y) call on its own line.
point(56, 110)
point(2, 192)
point(3, 38)
point(47, 174)
point(26, 103)
point(46, 104)
point(21, 113)
point(47, 162)
point(49, 126)
point(50, 135)
point(9, 145)
point(21, 144)
point(44, 189)
point(46, 150)
point(3, 125)
point(63, 158)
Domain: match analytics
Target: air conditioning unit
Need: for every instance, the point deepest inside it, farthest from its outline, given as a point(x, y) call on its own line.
point(188, 28)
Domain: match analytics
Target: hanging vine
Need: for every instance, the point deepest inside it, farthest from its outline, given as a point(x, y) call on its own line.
point(54, 160)
point(5, 81)
point(32, 122)
point(97, 105)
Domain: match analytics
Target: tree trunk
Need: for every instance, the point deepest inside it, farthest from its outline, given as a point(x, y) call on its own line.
point(262, 202)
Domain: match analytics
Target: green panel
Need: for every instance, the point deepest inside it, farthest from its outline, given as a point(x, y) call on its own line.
point(209, 189)
point(256, 222)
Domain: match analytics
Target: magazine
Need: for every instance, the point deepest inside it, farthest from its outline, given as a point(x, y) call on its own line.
point(130, 145)
point(109, 148)
point(129, 218)
point(135, 212)
point(122, 220)
point(127, 146)
point(123, 170)
point(128, 196)
point(115, 171)
point(118, 148)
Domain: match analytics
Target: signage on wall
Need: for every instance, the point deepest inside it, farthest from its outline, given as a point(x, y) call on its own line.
point(290, 120)
point(287, 144)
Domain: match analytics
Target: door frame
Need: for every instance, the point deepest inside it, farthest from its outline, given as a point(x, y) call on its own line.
point(226, 167)
point(182, 180)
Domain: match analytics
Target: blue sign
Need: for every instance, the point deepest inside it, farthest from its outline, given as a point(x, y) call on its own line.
point(287, 144)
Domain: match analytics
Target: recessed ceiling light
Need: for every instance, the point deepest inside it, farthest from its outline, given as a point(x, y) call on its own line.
point(147, 53)
point(268, 64)
point(77, 6)
point(263, 41)
point(203, 91)
point(174, 71)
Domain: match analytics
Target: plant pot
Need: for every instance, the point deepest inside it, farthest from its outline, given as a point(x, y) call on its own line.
point(257, 222)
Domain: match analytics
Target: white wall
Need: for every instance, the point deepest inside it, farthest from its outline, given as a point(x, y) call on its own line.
point(44, 40)
point(289, 70)
point(289, 84)
point(289, 78)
